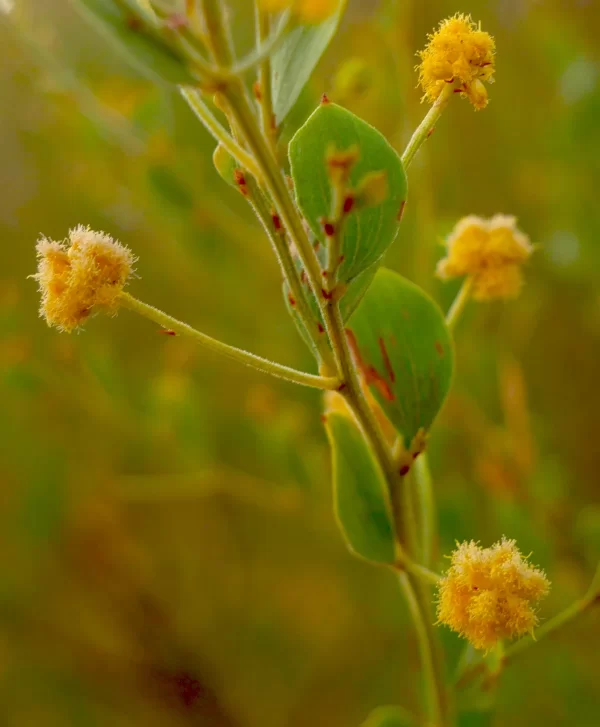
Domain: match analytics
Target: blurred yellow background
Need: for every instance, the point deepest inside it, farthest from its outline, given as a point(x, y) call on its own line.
point(168, 551)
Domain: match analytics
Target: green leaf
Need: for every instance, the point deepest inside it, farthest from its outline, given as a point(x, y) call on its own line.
point(403, 349)
point(361, 503)
point(368, 231)
point(389, 717)
point(132, 33)
point(296, 58)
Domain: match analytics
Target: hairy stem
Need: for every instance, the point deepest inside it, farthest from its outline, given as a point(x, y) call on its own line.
point(290, 274)
point(267, 117)
point(425, 128)
point(276, 186)
point(277, 189)
point(169, 323)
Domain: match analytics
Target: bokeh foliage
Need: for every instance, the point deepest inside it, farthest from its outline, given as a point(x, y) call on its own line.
point(169, 553)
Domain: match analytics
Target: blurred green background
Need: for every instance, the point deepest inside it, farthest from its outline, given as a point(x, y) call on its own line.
point(168, 552)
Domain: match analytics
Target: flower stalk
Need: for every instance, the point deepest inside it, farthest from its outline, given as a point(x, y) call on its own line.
point(459, 303)
point(169, 323)
point(426, 127)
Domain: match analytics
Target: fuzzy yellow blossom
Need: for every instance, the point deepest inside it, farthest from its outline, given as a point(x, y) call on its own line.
point(489, 594)
point(491, 252)
point(87, 272)
point(462, 54)
point(307, 11)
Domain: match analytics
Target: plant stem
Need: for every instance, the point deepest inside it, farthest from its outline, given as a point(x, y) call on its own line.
point(276, 186)
point(273, 180)
point(433, 683)
point(355, 396)
point(459, 303)
point(426, 505)
point(236, 354)
point(267, 117)
point(202, 111)
point(266, 44)
point(290, 274)
point(217, 36)
point(352, 391)
point(425, 128)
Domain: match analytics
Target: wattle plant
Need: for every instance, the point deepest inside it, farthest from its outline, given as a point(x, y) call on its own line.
point(383, 349)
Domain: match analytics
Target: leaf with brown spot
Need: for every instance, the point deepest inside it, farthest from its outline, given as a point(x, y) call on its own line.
point(403, 349)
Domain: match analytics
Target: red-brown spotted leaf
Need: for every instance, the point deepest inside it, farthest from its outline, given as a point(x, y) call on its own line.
point(402, 346)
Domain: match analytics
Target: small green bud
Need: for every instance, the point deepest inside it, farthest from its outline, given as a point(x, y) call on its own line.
point(225, 164)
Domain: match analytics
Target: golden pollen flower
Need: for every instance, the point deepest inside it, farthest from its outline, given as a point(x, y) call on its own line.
point(87, 272)
point(490, 251)
point(462, 54)
point(488, 594)
point(307, 11)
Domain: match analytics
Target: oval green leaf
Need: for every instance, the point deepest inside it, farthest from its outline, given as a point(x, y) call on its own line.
point(361, 503)
point(296, 58)
point(402, 346)
point(133, 35)
point(368, 231)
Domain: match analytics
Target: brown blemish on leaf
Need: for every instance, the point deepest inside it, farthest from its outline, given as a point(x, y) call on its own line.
point(325, 99)
point(386, 360)
point(368, 371)
point(404, 470)
point(401, 210)
point(440, 349)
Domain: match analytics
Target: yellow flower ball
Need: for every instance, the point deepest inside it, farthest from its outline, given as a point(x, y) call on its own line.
point(490, 594)
point(461, 54)
point(87, 272)
point(491, 252)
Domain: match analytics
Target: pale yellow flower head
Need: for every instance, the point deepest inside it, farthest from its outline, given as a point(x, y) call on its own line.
point(491, 251)
point(307, 11)
point(87, 272)
point(490, 594)
point(462, 54)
